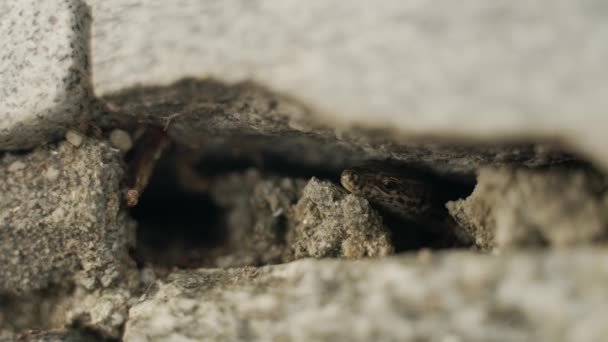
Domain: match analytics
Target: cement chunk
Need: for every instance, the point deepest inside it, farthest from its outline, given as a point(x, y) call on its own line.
point(59, 214)
point(513, 208)
point(329, 222)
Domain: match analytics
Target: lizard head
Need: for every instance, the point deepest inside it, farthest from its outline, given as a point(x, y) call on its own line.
point(370, 183)
point(387, 188)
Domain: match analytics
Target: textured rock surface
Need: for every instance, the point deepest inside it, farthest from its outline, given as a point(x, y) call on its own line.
point(513, 208)
point(245, 120)
point(61, 228)
point(329, 222)
point(44, 70)
point(264, 224)
point(453, 296)
point(311, 88)
point(472, 69)
point(59, 212)
point(256, 209)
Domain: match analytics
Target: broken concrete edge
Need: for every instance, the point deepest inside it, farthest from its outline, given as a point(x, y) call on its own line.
point(513, 208)
point(393, 68)
point(429, 296)
point(79, 104)
point(50, 84)
point(49, 124)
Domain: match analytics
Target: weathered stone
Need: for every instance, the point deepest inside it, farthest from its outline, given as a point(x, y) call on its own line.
point(256, 208)
point(329, 222)
point(468, 70)
point(334, 84)
point(61, 228)
point(59, 214)
point(44, 69)
point(247, 121)
point(517, 207)
point(557, 295)
point(103, 310)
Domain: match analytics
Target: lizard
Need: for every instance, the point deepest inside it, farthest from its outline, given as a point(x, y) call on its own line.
point(409, 194)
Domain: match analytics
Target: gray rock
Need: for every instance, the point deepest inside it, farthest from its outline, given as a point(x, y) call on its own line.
point(265, 225)
point(62, 228)
point(468, 70)
point(44, 69)
point(256, 210)
point(329, 222)
point(513, 208)
point(60, 214)
point(555, 296)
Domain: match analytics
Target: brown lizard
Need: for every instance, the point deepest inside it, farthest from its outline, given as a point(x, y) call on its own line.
point(411, 195)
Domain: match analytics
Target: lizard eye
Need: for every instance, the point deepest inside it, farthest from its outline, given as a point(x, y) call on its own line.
point(389, 185)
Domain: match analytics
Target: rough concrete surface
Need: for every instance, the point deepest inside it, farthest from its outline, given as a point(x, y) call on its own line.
point(44, 69)
point(302, 89)
point(511, 208)
point(473, 69)
point(256, 210)
point(329, 222)
point(60, 226)
point(555, 296)
point(59, 212)
point(245, 119)
point(265, 225)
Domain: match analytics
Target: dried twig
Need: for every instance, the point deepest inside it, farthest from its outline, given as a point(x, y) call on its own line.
point(147, 152)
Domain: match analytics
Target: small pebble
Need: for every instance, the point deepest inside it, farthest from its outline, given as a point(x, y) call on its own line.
point(117, 319)
point(121, 140)
point(74, 138)
point(51, 173)
point(16, 166)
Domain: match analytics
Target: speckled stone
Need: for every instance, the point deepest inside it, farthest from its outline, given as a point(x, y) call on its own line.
point(330, 222)
point(44, 70)
point(59, 215)
point(256, 207)
point(515, 208)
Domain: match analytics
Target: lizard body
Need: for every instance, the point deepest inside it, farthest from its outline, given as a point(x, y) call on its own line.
point(413, 196)
point(408, 194)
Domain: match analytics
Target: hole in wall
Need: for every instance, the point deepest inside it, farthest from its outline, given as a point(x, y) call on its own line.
point(231, 127)
point(181, 226)
point(175, 227)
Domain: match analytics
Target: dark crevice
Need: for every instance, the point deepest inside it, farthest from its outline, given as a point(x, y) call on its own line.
point(175, 227)
point(182, 227)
